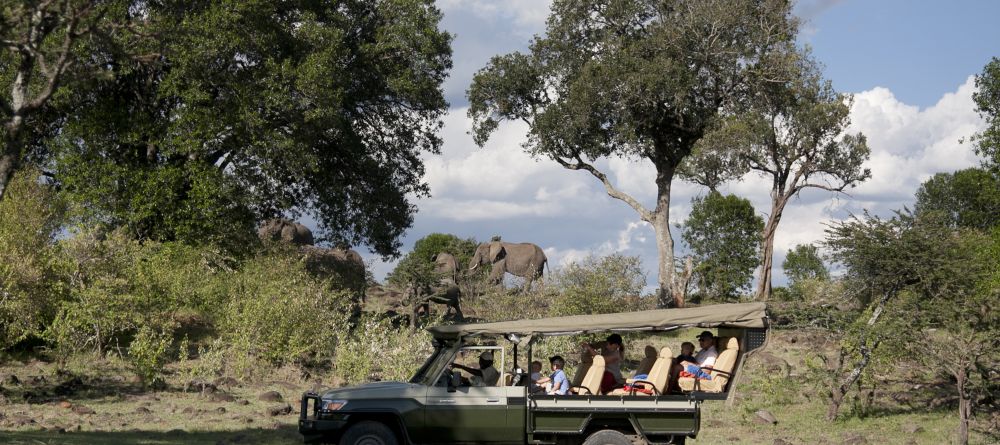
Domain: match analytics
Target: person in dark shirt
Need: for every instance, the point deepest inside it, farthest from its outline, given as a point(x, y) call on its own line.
point(687, 353)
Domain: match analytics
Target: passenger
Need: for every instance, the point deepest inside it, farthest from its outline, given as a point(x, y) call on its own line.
point(612, 351)
point(558, 384)
point(692, 368)
point(486, 375)
point(687, 353)
point(537, 382)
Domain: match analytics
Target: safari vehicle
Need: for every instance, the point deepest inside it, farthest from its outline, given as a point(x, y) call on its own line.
point(434, 408)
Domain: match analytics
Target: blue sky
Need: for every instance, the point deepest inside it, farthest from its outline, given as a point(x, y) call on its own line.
point(908, 63)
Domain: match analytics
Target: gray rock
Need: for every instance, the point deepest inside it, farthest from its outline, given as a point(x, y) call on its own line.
point(142, 410)
point(765, 417)
point(279, 410)
point(220, 396)
point(271, 396)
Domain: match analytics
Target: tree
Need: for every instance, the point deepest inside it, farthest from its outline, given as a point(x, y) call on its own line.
point(41, 43)
point(722, 232)
point(638, 79)
point(886, 260)
point(792, 133)
point(987, 98)
point(967, 198)
point(803, 263)
point(257, 109)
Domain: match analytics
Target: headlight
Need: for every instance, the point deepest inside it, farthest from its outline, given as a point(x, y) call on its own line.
point(332, 405)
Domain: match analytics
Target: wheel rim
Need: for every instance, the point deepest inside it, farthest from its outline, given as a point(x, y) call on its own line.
point(370, 439)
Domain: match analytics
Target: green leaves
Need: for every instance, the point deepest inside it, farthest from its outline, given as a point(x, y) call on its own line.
point(723, 233)
point(987, 98)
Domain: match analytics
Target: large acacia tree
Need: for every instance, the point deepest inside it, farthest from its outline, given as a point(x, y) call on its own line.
point(251, 109)
point(635, 79)
point(794, 134)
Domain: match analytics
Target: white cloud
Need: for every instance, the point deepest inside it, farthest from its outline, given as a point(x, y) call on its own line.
point(527, 14)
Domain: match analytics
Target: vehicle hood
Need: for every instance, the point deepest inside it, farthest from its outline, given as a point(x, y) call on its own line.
point(374, 390)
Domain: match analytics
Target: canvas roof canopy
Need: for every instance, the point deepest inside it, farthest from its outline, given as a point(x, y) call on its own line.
point(744, 315)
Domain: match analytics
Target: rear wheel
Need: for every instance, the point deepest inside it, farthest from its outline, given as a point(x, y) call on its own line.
point(369, 433)
point(607, 437)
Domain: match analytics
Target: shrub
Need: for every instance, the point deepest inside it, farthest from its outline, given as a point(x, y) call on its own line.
point(600, 285)
point(32, 274)
point(147, 354)
point(378, 350)
point(278, 313)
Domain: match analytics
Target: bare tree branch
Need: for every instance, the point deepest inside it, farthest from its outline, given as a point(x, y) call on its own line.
point(613, 192)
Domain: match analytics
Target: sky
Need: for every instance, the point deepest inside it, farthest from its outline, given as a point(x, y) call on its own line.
point(908, 64)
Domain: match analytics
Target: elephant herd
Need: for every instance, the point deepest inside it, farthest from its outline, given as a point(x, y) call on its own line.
point(525, 260)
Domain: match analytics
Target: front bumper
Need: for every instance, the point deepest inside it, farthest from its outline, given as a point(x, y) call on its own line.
point(310, 423)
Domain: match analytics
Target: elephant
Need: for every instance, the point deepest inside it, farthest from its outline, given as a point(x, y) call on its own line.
point(446, 267)
point(287, 231)
point(421, 296)
point(525, 260)
point(344, 264)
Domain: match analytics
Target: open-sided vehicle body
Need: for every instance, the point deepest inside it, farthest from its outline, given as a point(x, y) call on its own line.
point(433, 408)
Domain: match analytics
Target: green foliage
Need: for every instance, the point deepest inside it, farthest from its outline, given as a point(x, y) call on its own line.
point(803, 263)
point(598, 285)
point(723, 233)
point(987, 98)
point(967, 198)
point(32, 272)
point(147, 354)
point(254, 109)
point(378, 350)
point(277, 313)
point(417, 265)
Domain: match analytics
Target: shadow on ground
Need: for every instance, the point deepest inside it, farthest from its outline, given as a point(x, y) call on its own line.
point(282, 435)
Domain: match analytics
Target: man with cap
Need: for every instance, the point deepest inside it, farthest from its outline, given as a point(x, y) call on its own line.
point(486, 375)
point(705, 358)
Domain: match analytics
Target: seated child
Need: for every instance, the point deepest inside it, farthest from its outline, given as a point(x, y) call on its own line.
point(558, 384)
point(687, 353)
point(538, 383)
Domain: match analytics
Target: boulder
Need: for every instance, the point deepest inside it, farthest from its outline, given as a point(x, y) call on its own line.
point(220, 396)
point(270, 396)
point(764, 417)
point(279, 410)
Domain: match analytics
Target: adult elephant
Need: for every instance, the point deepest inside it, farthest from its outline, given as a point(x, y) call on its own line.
point(446, 267)
point(286, 231)
point(346, 265)
point(525, 260)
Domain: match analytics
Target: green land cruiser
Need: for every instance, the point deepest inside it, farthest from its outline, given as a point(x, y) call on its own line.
point(434, 407)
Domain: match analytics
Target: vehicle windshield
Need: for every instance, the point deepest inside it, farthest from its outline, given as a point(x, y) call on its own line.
point(433, 366)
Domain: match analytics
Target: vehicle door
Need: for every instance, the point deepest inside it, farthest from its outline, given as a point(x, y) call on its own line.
point(472, 414)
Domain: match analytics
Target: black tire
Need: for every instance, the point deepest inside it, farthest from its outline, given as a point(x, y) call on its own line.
point(369, 433)
point(607, 437)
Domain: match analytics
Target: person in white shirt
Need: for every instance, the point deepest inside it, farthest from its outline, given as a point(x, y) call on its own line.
point(704, 359)
point(486, 375)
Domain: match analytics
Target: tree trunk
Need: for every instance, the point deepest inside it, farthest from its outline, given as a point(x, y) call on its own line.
point(778, 201)
point(964, 407)
point(664, 240)
point(8, 165)
point(840, 390)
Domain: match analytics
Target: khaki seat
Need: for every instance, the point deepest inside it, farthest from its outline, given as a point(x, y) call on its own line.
point(585, 361)
point(721, 372)
point(659, 375)
point(646, 365)
point(507, 379)
point(591, 383)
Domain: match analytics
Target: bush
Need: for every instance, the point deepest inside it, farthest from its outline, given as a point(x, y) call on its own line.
point(378, 350)
point(278, 313)
point(147, 354)
point(600, 285)
point(32, 274)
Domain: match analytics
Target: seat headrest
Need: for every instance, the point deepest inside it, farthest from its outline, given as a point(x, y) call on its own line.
point(733, 344)
point(665, 352)
point(598, 360)
point(650, 351)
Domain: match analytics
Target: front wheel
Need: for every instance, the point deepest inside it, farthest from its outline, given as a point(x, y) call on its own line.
point(607, 437)
point(369, 433)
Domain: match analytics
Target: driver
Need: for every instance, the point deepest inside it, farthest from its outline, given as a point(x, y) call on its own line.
point(486, 375)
